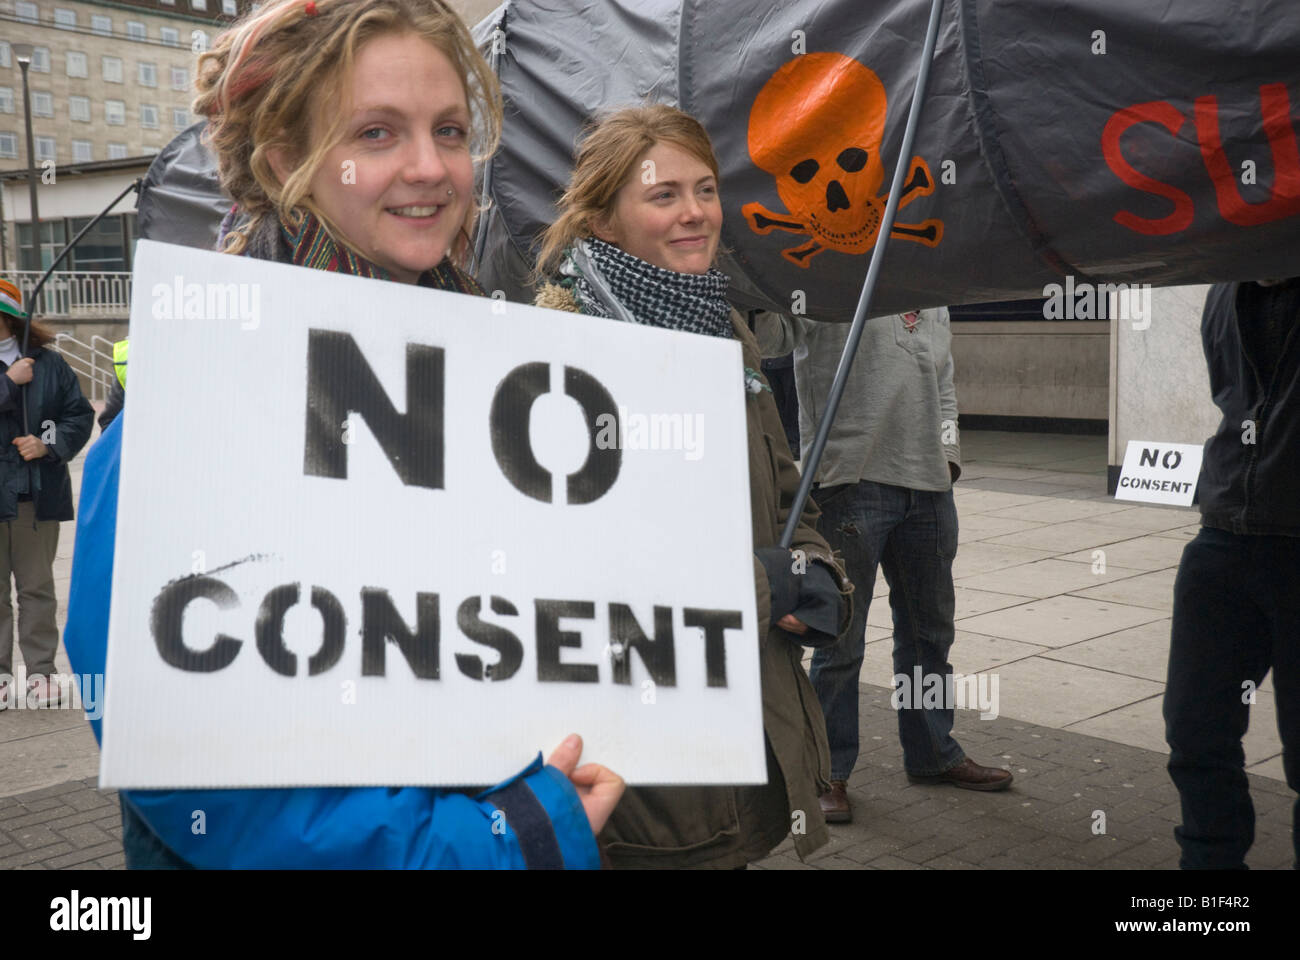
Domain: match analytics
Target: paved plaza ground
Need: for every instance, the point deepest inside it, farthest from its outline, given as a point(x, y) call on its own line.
point(1063, 594)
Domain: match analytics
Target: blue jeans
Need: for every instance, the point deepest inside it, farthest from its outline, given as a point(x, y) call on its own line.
point(913, 535)
point(1236, 614)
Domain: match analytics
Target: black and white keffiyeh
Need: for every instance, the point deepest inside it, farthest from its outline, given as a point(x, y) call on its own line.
point(689, 302)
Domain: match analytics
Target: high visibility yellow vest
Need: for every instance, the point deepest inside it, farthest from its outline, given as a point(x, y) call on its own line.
point(119, 360)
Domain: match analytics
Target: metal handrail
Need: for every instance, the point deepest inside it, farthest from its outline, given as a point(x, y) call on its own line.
point(101, 376)
point(80, 294)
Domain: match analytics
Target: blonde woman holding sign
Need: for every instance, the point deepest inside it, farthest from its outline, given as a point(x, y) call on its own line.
point(342, 129)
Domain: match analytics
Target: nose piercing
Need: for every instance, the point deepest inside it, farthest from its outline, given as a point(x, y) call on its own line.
point(451, 193)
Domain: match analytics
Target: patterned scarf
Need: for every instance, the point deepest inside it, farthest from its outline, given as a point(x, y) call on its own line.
point(689, 302)
point(311, 245)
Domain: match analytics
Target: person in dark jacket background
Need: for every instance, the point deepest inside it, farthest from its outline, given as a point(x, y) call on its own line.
point(1236, 610)
point(36, 444)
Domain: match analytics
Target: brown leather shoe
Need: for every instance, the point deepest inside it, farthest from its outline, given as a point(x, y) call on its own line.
point(835, 804)
point(969, 775)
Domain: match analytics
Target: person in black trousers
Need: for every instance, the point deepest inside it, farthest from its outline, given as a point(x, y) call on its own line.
point(1236, 606)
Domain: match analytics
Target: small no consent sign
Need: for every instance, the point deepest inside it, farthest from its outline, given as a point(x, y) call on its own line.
point(1157, 472)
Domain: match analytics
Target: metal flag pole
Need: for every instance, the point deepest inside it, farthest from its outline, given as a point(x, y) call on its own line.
point(869, 285)
point(40, 284)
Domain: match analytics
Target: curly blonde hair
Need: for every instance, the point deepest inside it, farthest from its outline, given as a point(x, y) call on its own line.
point(612, 148)
point(261, 84)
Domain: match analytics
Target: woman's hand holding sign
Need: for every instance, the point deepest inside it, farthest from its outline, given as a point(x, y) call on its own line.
point(599, 788)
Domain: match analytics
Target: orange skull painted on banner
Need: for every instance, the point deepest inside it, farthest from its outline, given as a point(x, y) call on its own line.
point(816, 127)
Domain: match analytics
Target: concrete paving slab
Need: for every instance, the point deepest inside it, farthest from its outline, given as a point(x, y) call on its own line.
point(981, 526)
point(1046, 578)
point(1154, 590)
point(1092, 463)
point(983, 557)
point(971, 602)
point(1057, 694)
point(1058, 510)
point(1271, 768)
point(971, 653)
point(1180, 533)
point(968, 603)
point(976, 653)
point(1141, 651)
point(1068, 537)
point(1013, 486)
point(1138, 724)
point(54, 756)
point(1151, 519)
point(1058, 621)
point(1140, 553)
point(972, 500)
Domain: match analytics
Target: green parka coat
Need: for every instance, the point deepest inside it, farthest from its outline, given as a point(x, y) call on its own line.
point(719, 826)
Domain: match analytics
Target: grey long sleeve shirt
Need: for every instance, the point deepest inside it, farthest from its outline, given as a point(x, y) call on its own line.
point(897, 421)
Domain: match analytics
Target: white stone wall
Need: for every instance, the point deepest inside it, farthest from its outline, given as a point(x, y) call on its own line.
point(1160, 389)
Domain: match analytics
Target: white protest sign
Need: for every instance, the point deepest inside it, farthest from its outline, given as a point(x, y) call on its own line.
point(380, 534)
point(1157, 472)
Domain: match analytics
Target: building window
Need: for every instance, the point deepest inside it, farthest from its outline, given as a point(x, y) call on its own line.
point(180, 118)
point(180, 78)
point(116, 151)
point(81, 151)
point(40, 60)
point(27, 12)
point(6, 99)
point(148, 74)
point(6, 56)
point(149, 116)
point(115, 112)
point(170, 36)
point(170, 3)
point(198, 41)
point(44, 149)
point(52, 240)
point(229, 8)
point(135, 30)
point(199, 4)
point(65, 19)
point(79, 109)
point(42, 103)
point(78, 65)
point(102, 25)
point(112, 69)
point(9, 145)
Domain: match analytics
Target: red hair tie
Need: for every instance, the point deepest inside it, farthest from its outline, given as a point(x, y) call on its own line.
point(311, 8)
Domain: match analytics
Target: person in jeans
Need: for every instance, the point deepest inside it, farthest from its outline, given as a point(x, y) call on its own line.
point(1236, 607)
point(885, 491)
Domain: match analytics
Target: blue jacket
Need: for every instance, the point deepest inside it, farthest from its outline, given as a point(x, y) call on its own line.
point(400, 827)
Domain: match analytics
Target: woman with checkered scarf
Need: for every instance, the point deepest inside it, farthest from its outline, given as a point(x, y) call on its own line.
point(635, 241)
